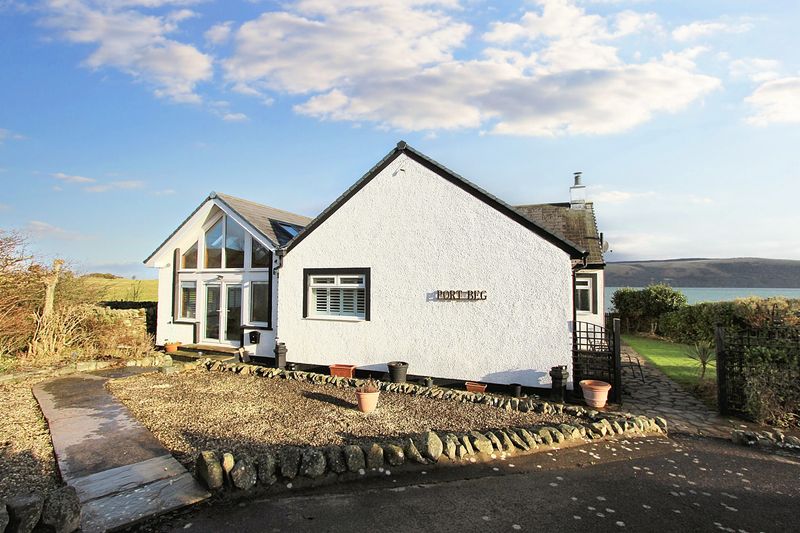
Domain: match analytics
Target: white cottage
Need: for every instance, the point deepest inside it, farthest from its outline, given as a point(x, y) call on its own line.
point(412, 263)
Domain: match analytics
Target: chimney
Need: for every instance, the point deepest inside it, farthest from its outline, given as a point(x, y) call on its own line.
point(577, 193)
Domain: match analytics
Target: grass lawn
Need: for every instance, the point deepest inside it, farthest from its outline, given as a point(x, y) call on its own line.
point(127, 289)
point(671, 359)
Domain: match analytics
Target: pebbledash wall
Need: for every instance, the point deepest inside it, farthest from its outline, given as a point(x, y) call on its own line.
point(419, 233)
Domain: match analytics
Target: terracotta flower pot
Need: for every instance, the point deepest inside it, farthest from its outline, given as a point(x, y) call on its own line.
point(342, 371)
point(367, 401)
point(171, 347)
point(595, 392)
point(475, 387)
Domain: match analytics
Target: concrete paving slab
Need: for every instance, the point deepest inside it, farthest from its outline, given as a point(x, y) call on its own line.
point(121, 472)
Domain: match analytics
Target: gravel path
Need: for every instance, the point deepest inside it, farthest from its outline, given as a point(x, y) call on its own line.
point(27, 462)
point(193, 411)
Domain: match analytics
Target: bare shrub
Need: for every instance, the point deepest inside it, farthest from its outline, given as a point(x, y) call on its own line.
point(47, 313)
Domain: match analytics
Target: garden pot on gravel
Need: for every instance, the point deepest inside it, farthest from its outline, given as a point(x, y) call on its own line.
point(397, 371)
point(342, 371)
point(367, 395)
point(473, 386)
point(595, 392)
point(171, 347)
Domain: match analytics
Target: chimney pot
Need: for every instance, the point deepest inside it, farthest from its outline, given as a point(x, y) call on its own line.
point(577, 193)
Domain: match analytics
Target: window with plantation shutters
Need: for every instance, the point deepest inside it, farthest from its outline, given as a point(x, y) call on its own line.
point(188, 299)
point(337, 296)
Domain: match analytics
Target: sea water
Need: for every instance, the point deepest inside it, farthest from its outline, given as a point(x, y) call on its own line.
point(717, 294)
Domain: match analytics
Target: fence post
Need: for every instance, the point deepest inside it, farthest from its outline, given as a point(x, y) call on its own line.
point(617, 364)
point(722, 384)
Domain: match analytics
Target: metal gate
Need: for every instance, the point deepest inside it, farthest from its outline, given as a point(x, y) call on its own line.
point(596, 355)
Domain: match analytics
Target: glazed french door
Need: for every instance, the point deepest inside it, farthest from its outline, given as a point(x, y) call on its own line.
point(223, 313)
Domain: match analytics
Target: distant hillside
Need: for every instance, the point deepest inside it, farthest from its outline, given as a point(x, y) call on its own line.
point(750, 272)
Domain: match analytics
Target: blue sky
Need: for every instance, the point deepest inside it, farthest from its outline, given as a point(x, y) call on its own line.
point(119, 116)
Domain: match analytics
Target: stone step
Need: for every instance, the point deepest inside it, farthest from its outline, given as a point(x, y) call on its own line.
point(125, 478)
point(132, 506)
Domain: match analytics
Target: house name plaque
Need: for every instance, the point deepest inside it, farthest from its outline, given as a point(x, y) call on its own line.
point(460, 295)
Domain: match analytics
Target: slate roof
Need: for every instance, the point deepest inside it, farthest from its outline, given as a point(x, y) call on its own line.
point(264, 218)
point(576, 225)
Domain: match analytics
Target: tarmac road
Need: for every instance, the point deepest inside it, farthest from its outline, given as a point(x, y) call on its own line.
point(648, 484)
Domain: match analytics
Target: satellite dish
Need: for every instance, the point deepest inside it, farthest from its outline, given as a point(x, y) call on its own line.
point(605, 246)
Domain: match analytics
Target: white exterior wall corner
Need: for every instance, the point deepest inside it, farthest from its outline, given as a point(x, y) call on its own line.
point(419, 233)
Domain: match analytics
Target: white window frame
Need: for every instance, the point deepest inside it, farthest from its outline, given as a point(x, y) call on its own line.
point(251, 303)
point(187, 284)
point(337, 283)
point(588, 287)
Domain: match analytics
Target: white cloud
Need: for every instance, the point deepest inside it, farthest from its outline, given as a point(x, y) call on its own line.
point(8, 135)
point(555, 70)
point(320, 45)
point(43, 230)
point(5, 207)
point(234, 117)
point(134, 42)
point(618, 197)
point(755, 68)
point(115, 185)
point(218, 33)
point(164, 192)
point(700, 200)
point(775, 101)
point(700, 29)
point(71, 178)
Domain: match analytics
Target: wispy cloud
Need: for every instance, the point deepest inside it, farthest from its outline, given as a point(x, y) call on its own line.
point(618, 197)
point(8, 135)
point(234, 117)
point(72, 178)
point(164, 192)
point(755, 68)
point(775, 101)
point(5, 207)
point(134, 42)
point(218, 33)
point(43, 230)
point(700, 29)
point(115, 185)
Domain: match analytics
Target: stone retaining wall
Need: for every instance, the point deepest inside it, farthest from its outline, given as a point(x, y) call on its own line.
point(312, 465)
point(773, 439)
point(157, 359)
point(60, 511)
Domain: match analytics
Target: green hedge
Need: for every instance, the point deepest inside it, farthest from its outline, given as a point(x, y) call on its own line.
point(660, 309)
point(696, 322)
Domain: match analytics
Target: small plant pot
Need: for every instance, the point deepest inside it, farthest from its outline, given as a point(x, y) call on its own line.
point(367, 401)
point(595, 392)
point(171, 347)
point(397, 371)
point(428, 382)
point(475, 387)
point(342, 371)
point(516, 390)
